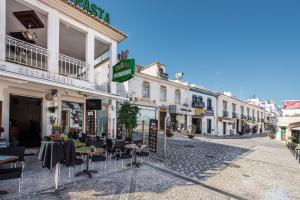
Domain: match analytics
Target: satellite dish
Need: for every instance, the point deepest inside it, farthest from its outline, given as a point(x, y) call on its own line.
point(179, 76)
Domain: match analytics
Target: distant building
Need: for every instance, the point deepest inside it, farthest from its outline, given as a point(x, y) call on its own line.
point(289, 124)
point(235, 116)
point(291, 108)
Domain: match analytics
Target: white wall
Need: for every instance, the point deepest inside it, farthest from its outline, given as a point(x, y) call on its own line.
point(290, 112)
point(214, 106)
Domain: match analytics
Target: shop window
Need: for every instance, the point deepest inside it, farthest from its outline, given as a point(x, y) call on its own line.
point(177, 97)
point(72, 117)
point(146, 90)
point(163, 93)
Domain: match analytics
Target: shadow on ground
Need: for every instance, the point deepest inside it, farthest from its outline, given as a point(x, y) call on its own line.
point(200, 159)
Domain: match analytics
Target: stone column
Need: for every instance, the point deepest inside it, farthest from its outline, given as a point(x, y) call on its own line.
point(53, 41)
point(90, 54)
point(112, 126)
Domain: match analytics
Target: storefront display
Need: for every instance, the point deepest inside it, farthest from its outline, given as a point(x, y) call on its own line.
point(72, 117)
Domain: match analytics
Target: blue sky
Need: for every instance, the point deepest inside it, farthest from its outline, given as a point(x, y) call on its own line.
point(244, 46)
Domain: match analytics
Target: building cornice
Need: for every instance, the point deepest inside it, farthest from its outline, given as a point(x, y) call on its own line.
point(241, 101)
point(66, 7)
point(160, 80)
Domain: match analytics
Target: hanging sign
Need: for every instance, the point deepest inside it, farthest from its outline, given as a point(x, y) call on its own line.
point(92, 9)
point(124, 70)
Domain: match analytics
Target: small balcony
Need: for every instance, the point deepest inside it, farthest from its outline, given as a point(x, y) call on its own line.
point(210, 110)
point(23, 53)
point(249, 118)
point(34, 56)
point(198, 104)
point(225, 114)
point(234, 115)
point(243, 117)
point(73, 67)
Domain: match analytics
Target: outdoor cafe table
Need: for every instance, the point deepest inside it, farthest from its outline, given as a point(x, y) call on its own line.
point(87, 151)
point(3, 160)
point(135, 148)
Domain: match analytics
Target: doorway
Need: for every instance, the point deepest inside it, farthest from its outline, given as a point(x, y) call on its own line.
point(224, 128)
point(208, 125)
point(198, 124)
point(162, 116)
point(25, 116)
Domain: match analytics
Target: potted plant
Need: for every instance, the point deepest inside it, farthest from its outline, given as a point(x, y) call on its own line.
point(52, 109)
point(128, 117)
point(192, 131)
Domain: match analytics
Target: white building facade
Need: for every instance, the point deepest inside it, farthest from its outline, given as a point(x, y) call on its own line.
point(238, 117)
point(205, 104)
point(47, 68)
point(158, 97)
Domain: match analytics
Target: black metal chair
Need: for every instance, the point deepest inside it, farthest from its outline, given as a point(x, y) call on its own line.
point(123, 155)
point(12, 173)
point(98, 158)
point(15, 151)
point(110, 150)
point(142, 154)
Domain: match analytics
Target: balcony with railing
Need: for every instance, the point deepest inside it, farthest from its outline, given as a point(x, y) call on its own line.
point(225, 114)
point(234, 115)
point(243, 116)
point(34, 56)
point(73, 67)
point(210, 110)
point(198, 104)
point(24, 53)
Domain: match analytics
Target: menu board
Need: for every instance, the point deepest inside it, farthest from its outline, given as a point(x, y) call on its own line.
point(153, 135)
point(91, 125)
point(119, 129)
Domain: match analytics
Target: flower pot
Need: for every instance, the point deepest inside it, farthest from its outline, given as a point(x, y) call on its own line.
point(191, 136)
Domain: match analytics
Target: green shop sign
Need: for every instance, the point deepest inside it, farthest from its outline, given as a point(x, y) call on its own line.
point(124, 70)
point(92, 9)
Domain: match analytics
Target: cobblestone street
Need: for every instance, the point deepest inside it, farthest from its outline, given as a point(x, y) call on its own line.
point(202, 168)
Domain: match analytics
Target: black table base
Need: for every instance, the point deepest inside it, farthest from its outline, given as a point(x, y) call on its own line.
point(137, 164)
point(86, 172)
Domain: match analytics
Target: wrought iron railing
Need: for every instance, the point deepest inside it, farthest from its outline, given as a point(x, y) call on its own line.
point(234, 115)
point(73, 67)
point(225, 114)
point(24, 53)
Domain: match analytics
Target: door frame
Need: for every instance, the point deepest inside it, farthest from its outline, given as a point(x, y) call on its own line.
point(41, 111)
